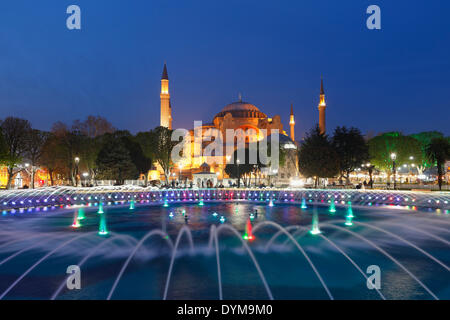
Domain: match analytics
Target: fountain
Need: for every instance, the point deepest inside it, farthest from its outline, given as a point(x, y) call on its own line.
point(102, 228)
point(332, 208)
point(315, 223)
point(303, 206)
point(100, 208)
point(81, 214)
point(132, 204)
point(271, 203)
point(349, 217)
point(422, 236)
point(248, 235)
point(166, 202)
point(75, 223)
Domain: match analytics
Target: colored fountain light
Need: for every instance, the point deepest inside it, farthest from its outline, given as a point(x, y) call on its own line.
point(100, 208)
point(270, 203)
point(166, 203)
point(248, 235)
point(201, 202)
point(214, 214)
point(222, 219)
point(81, 214)
point(75, 223)
point(350, 210)
point(348, 220)
point(303, 206)
point(332, 208)
point(132, 204)
point(171, 214)
point(315, 224)
point(102, 228)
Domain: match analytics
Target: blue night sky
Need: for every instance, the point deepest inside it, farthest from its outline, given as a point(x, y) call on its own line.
point(273, 52)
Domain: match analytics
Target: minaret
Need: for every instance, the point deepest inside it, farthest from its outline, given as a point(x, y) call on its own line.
point(292, 123)
point(322, 106)
point(166, 108)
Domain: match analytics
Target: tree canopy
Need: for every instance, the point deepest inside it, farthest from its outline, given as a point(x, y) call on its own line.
point(317, 156)
point(351, 149)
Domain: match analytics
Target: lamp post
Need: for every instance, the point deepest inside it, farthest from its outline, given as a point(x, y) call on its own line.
point(370, 168)
point(393, 157)
point(77, 161)
point(239, 176)
point(85, 175)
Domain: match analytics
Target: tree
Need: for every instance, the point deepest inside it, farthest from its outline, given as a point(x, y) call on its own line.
point(382, 146)
point(93, 126)
point(236, 170)
point(424, 139)
point(114, 160)
point(351, 148)
point(439, 151)
point(50, 157)
point(142, 163)
point(69, 145)
point(15, 133)
point(162, 144)
point(34, 150)
point(317, 156)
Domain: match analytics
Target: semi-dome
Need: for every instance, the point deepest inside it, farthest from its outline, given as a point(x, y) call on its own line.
point(241, 109)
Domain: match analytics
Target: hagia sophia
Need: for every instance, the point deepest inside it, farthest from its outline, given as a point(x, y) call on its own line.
point(236, 115)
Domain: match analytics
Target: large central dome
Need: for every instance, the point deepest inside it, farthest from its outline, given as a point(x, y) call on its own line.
point(241, 109)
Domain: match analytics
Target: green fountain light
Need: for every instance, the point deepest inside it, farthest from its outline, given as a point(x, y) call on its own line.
point(348, 220)
point(315, 224)
point(303, 206)
point(132, 204)
point(81, 214)
point(332, 208)
point(100, 208)
point(102, 228)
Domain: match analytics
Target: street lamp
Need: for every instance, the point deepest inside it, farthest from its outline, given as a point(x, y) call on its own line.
point(85, 175)
point(393, 157)
point(370, 168)
point(77, 161)
point(239, 177)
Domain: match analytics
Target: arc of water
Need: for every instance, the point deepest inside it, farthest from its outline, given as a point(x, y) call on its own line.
point(89, 255)
point(136, 248)
point(247, 248)
point(211, 236)
point(276, 235)
point(337, 248)
point(42, 260)
point(184, 229)
point(405, 241)
point(386, 254)
point(351, 261)
point(420, 231)
point(219, 272)
point(6, 244)
point(36, 244)
point(276, 225)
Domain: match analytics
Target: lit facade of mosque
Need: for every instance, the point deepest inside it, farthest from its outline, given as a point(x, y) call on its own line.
point(244, 119)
